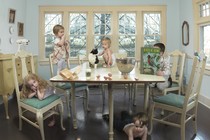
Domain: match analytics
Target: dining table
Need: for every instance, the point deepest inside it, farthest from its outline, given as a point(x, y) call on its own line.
point(109, 76)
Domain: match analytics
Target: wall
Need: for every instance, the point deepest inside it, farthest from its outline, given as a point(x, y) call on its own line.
point(20, 7)
point(187, 15)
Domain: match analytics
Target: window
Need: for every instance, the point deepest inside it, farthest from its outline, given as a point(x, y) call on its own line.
point(50, 21)
point(202, 28)
point(78, 34)
point(129, 28)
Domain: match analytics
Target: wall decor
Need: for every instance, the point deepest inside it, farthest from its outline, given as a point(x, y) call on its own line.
point(20, 28)
point(11, 40)
point(185, 33)
point(12, 15)
point(11, 30)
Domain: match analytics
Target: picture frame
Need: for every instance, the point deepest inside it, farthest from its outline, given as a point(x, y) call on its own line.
point(12, 14)
point(20, 28)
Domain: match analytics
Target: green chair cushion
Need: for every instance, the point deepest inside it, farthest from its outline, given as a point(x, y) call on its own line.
point(171, 99)
point(38, 104)
point(68, 85)
point(174, 84)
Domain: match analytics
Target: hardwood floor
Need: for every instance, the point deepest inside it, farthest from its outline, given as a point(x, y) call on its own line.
point(91, 126)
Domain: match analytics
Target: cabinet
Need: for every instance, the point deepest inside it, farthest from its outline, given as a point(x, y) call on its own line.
point(6, 78)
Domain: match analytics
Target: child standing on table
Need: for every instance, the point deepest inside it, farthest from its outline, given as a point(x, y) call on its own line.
point(135, 127)
point(164, 69)
point(34, 86)
point(107, 53)
point(61, 48)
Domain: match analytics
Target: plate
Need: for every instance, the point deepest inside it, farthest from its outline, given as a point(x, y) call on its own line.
point(11, 30)
point(11, 40)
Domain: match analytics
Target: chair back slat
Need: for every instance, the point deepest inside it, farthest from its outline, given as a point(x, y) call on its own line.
point(23, 64)
point(194, 85)
point(51, 63)
point(177, 60)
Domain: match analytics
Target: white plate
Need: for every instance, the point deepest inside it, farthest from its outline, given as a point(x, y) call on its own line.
point(11, 30)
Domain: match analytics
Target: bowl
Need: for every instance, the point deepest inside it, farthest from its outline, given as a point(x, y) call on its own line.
point(125, 65)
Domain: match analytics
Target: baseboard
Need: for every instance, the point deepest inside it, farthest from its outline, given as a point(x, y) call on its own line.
point(204, 100)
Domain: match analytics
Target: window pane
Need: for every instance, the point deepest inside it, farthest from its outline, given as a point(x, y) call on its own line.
point(152, 22)
point(206, 42)
point(50, 21)
point(127, 33)
point(204, 9)
point(102, 27)
point(78, 31)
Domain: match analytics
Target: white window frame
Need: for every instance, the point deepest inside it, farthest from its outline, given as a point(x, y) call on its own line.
point(114, 10)
point(198, 23)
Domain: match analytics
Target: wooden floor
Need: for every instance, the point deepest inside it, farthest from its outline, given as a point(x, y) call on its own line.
point(91, 126)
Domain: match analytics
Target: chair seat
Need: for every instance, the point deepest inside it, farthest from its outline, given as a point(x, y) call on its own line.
point(38, 104)
point(171, 99)
point(68, 85)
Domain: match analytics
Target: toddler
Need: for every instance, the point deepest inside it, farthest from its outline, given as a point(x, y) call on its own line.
point(164, 69)
point(34, 86)
point(107, 53)
point(135, 127)
point(61, 48)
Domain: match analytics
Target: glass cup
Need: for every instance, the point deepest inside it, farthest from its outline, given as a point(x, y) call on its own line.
point(88, 74)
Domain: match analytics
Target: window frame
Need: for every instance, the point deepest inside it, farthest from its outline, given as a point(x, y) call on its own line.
point(199, 21)
point(90, 10)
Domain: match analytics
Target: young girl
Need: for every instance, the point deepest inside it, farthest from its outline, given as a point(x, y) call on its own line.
point(61, 48)
point(108, 56)
point(164, 69)
point(33, 86)
point(135, 127)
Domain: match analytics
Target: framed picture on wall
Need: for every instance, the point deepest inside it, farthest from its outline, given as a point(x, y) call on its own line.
point(20, 28)
point(12, 15)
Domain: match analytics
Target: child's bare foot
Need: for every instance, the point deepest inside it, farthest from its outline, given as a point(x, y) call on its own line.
point(52, 123)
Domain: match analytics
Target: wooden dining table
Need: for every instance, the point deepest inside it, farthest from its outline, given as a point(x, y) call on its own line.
point(116, 78)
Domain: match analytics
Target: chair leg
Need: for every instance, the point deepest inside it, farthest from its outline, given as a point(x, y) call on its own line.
point(134, 94)
point(183, 126)
point(20, 119)
point(68, 103)
point(103, 93)
point(61, 116)
point(151, 114)
point(87, 99)
point(39, 117)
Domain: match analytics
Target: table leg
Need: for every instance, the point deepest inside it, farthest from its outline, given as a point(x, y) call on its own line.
point(5, 99)
point(111, 110)
point(73, 105)
point(146, 96)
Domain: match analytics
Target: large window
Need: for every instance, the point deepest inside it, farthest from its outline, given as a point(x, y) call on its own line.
point(202, 28)
point(129, 28)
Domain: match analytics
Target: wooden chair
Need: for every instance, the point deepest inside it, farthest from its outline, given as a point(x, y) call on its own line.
point(67, 86)
point(23, 64)
point(177, 70)
point(184, 107)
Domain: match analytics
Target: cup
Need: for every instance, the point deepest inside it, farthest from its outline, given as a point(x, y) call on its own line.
point(88, 74)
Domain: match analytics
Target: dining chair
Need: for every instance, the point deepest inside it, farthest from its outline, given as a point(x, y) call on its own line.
point(23, 64)
point(183, 106)
point(67, 87)
point(177, 59)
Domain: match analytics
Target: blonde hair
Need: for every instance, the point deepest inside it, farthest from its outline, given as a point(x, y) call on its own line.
point(57, 28)
point(27, 88)
point(106, 39)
